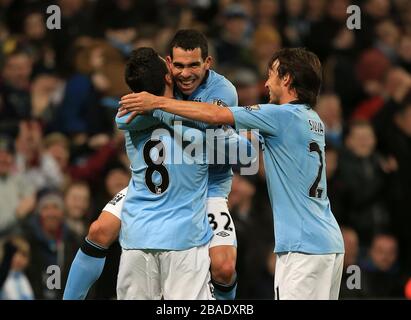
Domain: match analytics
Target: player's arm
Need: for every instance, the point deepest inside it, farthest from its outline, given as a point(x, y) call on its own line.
point(138, 123)
point(169, 119)
point(199, 111)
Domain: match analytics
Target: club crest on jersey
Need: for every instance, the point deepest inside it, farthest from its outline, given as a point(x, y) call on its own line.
point(253, 107)
point(220, 103)
point(116, 198)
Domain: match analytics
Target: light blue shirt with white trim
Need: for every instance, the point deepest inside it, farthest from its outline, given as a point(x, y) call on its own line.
point(218, 90)
point(295, 170)
point(165, 206)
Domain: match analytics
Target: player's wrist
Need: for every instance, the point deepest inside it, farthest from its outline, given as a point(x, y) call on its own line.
point(161, 103)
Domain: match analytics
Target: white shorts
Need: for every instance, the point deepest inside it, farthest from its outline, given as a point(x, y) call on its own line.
point(173, 275)
point(115, 205)
point(221, 223)
point(300, 276)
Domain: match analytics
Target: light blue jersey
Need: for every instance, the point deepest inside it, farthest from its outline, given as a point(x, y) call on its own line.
point(218, 90)
point(295, 169)
point(165, 207)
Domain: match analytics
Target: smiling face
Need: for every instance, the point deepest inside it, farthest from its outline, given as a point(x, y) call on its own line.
point(188, 68)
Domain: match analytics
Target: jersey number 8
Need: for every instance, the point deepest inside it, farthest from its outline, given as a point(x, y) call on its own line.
point(155, 166)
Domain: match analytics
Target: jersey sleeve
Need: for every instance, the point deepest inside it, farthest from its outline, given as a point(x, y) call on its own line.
point(224, 95)
point(268, 118)
point(139, 123)
point(169, 119)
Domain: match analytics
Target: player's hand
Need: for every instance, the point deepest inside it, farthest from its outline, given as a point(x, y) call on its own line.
point(139, 102)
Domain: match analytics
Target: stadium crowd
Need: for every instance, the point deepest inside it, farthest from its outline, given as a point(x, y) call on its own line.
point(62, 158)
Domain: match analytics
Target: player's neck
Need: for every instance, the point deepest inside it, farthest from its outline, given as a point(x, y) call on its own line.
point(288, 96)
point(168, 92)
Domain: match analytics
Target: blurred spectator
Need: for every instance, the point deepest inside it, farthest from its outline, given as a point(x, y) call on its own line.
point(15, 91)
point(374, 11)
point(265, 41)
point(381, 277)
point(117, 178)
point(405, 13)
point(97, 81)
point(247, 85)
point(293, 24)
point(232, 45)
point(17, 286)
point(388, 37)
point(351, 258)
point(77, 205)
point(75, 17)
point(395, 141)
point(45, 94)
point(125, 14)
point(351, 245)
point(329, 109)
point(385, 97)
point(85, 165)
point(52, 244)
point(263, 287)
point(7, 254)
point(16, 193)
point(330, 33)
point(37, 42)
point(404, 52)
point(267, 12)
point(315, 10)
point(37, 164)
point(363, 181)
point(240, 204)
point(334, 186)
point(371, 69)
point(251, 231)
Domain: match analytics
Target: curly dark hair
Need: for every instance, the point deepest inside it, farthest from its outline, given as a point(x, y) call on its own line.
point(145, 71)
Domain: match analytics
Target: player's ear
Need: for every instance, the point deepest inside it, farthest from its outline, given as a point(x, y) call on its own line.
point(287, 80)
point(169, 80)
point(169, 62)
point(208, 62)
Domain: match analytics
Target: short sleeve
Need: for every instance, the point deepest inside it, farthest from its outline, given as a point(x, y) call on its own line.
point(139, 123)
point(266, 118)
point(224, 95)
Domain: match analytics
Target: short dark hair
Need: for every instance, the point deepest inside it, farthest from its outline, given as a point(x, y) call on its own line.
point(304, 68)
point(189, 39)
point(145, 71)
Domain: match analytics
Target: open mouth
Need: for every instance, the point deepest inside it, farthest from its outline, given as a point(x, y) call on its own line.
point(186, 84)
